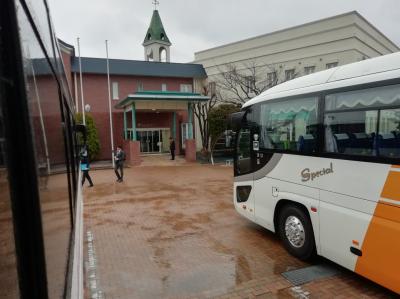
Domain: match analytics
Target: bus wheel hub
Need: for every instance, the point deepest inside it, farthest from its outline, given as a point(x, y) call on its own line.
point(294, 231)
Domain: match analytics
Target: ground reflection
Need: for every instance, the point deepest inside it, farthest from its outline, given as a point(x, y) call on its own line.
point(56, 223)
point(8, 269)
point(159, 237)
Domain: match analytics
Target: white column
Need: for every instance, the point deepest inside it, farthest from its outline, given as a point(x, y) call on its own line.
point(80, 74)
point(109, 107)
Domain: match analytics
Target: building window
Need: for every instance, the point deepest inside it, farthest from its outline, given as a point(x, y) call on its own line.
point(290, 74)
point(115, 95)
point(309, 70)
point(250, 84)
point(271, 79)
point(331, 65)
point(139, 86)
point(212, 88)
point(164, 87)
point(186, 88)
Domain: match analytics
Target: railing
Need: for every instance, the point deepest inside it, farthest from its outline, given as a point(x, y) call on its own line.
point(130, 134)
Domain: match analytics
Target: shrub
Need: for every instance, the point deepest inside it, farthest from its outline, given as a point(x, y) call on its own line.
point(218, 119)
point(93, 142)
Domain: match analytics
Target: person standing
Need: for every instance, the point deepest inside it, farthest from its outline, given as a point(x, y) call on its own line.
point(85, 166)
point(119, 158)
point(172, 147)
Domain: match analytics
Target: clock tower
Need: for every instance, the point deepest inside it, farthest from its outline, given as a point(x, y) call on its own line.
point(156, 43)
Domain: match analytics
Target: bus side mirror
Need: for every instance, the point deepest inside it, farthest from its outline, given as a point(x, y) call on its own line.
point(235, 120)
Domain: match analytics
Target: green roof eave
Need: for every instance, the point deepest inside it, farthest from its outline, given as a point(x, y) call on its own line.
point(161, 96)
point(159, 92)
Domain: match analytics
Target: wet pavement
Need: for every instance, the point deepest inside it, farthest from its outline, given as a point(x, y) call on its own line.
point(56, 226)
point(171, 231)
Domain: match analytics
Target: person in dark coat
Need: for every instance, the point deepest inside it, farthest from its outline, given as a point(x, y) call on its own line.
point(172, 147)
point(119, 158)
point(85, 167)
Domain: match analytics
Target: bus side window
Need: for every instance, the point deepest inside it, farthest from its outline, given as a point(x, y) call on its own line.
point(388, 140)
point(289, 125)
point(52, 146)
point(357, 123)
point(351, 133)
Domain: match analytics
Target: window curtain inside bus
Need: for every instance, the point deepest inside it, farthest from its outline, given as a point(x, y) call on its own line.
point(372, 97)
point(282, 124)
point(364, 122)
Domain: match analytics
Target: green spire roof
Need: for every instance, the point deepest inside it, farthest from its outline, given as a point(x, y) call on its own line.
point(156, 31)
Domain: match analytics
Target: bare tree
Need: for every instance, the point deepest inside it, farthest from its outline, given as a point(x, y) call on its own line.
point(201, 111)
point(238, 85)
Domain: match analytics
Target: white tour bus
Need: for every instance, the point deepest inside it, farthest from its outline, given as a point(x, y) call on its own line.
point(317, 161)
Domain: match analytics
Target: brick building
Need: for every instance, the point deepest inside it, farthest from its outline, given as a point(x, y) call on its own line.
point(151, 100)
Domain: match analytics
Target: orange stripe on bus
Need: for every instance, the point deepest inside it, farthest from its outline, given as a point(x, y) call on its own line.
point(388, 211)
point(391, 190)
point(395, 166)
point(380, 260)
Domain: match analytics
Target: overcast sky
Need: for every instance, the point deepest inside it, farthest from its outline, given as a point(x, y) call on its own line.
point(195, 25)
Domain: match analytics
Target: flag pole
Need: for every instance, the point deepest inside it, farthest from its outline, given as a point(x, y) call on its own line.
point(109, 107)
point(80, 75)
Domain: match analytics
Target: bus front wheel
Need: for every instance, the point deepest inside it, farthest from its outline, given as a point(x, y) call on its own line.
point(296, 232)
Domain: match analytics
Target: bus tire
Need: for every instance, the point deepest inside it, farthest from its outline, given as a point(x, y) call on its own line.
point(296, 232)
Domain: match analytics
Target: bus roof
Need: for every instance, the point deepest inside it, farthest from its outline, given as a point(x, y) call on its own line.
point(367, 71)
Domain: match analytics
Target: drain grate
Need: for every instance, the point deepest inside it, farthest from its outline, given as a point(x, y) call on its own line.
point(304, 275)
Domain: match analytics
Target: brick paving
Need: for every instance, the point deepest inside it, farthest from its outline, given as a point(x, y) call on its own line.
point(172, 232)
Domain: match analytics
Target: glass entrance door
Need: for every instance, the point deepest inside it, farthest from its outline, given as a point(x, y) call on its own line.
point(152, 140)
point(155, 141)
point(184, 134)
point(143, 138)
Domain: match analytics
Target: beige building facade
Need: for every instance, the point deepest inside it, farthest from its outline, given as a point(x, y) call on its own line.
point(317, 45)
point(299, 50)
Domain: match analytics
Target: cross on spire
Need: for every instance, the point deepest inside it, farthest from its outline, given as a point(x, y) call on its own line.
point(156, 2)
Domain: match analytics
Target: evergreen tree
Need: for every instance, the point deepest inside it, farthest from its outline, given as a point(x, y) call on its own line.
point(93, 142)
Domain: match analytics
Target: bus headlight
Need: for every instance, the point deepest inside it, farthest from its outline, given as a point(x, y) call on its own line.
point(242, 193)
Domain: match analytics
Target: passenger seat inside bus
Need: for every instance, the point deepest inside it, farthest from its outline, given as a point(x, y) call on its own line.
point(361, 143)
point(396, 134)
point(343, 142)
point(306, 143)
point(389, 145)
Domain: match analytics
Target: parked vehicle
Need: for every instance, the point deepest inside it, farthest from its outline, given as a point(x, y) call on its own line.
point(317, 160)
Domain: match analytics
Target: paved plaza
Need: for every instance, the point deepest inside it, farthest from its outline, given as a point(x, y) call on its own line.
point(170, 231)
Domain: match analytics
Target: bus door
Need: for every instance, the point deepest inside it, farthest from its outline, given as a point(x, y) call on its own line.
point(243, 192)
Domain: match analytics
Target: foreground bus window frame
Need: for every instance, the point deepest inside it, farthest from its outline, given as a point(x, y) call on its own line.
point(21, 162)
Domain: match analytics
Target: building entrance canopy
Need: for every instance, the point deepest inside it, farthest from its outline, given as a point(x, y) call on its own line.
point(166, 101)
point(161, 97)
